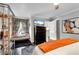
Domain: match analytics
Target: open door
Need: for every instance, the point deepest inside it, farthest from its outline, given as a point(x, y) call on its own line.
point(39, 34)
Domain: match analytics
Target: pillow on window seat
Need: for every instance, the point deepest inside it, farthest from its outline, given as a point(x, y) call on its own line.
point(51, 45)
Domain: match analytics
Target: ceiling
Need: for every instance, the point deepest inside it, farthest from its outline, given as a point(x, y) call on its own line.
point(27, 9)
point(41, 9)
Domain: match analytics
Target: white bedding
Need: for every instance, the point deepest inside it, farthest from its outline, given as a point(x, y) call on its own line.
point(72, 49)
point(37, 51)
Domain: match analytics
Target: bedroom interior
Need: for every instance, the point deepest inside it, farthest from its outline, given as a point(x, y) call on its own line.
point(39, 29)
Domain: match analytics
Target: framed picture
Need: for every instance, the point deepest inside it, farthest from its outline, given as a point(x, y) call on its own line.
point(71, 25)
point(21, 27)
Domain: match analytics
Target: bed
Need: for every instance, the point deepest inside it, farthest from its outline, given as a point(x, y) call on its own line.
point(67, 46)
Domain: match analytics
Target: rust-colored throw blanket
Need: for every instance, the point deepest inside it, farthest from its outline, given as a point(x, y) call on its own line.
point(51, 45)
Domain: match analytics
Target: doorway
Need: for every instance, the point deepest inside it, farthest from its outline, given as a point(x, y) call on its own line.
point(39, 34)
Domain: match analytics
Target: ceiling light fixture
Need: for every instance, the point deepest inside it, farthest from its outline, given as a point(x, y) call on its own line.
point(56, 5)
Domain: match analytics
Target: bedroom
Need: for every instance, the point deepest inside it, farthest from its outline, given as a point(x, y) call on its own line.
point(39, 28)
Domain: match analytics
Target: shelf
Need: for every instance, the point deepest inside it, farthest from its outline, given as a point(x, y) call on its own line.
point(20, 38)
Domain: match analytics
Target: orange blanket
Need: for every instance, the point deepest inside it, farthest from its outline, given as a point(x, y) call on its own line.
point(51, 45)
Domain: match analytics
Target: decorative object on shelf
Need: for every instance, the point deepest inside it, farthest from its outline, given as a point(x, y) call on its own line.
point(71, 25)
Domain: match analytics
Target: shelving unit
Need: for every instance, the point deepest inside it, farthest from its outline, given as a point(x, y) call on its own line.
point(6, 16)
point(8, 27)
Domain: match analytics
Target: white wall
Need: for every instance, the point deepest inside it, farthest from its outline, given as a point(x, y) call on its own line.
point(51, 30)
point(31, 29)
